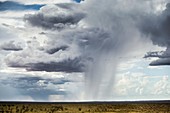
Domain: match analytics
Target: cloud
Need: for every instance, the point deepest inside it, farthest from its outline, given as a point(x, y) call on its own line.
point(162, 86)
point(64, 66)
point(156, 26)
point(95, 33)
point(70, 43)
point(11, 46)
point(161, 61)
point(118, 20)
point(56, 16)
point(9, 93)
point(154, 54)
point(54, 50)
point(65, 53)
point(164, 57)
point(10, 5)
point(137, 84)
point(33, 59)
point(36, 87)
point(40, 85)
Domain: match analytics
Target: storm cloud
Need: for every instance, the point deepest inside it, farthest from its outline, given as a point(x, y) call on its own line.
point(57, 16)
point(157, 28)
point(64, 66)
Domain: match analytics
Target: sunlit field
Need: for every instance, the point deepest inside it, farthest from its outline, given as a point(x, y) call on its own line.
point(85, 107)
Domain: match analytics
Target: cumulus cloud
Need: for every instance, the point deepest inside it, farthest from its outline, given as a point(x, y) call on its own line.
point(64, 66)
point(133, 84)
point(54, 50)
point(65, 53)
point(162, 86)
point(56, 16)
point(11, 46)
point(32, 58)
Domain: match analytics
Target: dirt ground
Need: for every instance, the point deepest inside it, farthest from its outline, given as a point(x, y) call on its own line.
point(89, 107)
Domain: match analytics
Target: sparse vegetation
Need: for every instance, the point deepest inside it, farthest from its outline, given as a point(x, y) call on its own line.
point(84, 107)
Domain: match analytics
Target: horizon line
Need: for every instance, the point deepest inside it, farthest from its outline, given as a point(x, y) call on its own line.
point(86, 102)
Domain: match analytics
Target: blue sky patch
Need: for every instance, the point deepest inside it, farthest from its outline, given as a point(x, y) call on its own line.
point(10, 5)
point(78, 1)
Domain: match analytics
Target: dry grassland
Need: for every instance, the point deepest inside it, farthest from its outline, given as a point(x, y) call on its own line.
point(99, 107)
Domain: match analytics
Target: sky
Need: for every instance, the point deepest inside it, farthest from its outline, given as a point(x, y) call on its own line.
point(89, 50)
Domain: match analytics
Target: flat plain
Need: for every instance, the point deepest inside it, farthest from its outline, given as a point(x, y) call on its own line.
point(86, 107)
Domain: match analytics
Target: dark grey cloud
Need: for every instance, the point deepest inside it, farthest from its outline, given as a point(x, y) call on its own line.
point(54, 50)
point(68, 65)
point(45, 61)
point(59, 19)
point(164, 57)
point(157, 27)
point(35, 87)
point(25, 82)
point(70, 51)
point(160, 62)
point(158, 54)
point(11, 46)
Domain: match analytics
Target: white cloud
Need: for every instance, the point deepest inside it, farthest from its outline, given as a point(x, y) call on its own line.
point(11, 46)
point(162, 86)
point(139, 85)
